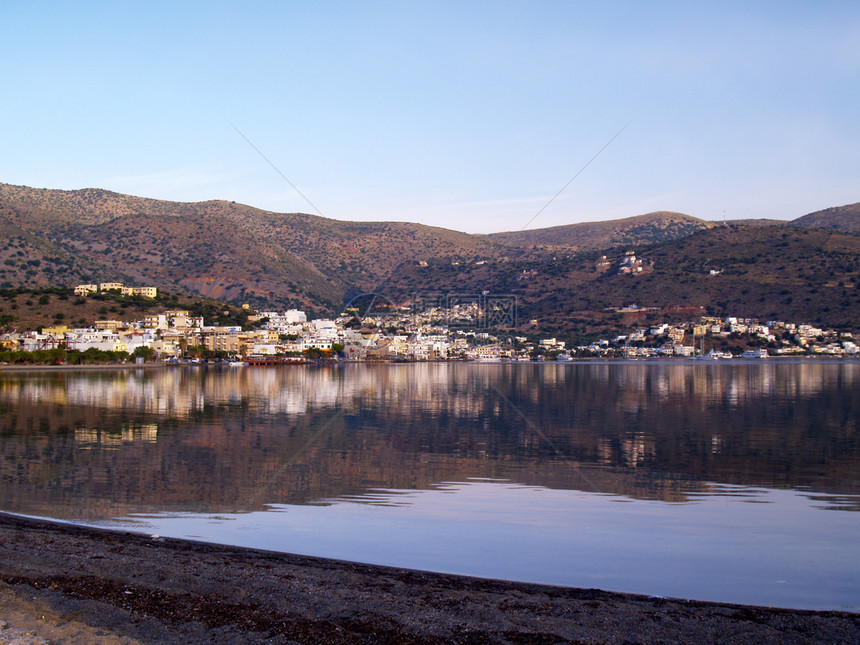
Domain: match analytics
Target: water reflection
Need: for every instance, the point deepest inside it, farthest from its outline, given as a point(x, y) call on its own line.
point(743, 458)
point(436, 388)
point(82, 444)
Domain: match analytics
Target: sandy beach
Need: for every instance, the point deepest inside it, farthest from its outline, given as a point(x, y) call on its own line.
point(61, 583)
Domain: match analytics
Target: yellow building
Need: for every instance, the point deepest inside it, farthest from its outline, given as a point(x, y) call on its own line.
point(146, 292)
point(229, 343)
point(86, 289)
point(164, 348)
point(57, 330)
point(111, 325)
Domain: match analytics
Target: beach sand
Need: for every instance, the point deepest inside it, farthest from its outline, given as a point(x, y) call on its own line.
point(61, 583)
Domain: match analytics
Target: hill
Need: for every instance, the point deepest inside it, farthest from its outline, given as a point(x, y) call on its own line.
point(661, 226)
point(756, 222)
point(27, 309)
point(570, 278)
point(845, 219)
point(788, 273)
point(650, 228)
point(218, 249)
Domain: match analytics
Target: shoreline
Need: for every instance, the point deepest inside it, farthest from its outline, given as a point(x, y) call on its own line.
point(71, 583)
point(18, 367)
point(83, 368)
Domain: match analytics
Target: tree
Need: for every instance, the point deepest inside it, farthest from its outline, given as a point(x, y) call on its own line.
point(196, 351)
point(146, 353)
point(312, 353)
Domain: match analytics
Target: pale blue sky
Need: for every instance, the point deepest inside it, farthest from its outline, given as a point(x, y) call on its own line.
point(464, 115)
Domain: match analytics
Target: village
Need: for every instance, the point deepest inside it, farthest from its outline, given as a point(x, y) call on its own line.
point(460, 331)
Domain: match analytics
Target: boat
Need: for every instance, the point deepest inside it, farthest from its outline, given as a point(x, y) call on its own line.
point(714, 355)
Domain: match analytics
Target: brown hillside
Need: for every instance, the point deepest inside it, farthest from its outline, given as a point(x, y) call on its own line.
point(215, 248)
point(788, 273)
point(28, 259)
point(271, 260)
point(26, 309)
point(755, 222)
point(650, 228)
point(845, 219)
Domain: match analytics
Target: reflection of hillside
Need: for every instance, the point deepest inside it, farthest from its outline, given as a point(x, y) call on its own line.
point(235, 440)
point(234, 466)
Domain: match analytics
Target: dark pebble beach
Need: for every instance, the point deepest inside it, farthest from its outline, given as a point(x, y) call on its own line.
point(61, 583)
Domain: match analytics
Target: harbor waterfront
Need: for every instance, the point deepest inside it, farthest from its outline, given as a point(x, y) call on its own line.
point(733, 481)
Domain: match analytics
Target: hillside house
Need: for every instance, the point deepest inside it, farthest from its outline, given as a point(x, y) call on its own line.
point(86, 289)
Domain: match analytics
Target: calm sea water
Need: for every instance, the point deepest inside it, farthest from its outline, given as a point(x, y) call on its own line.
point(735, 482)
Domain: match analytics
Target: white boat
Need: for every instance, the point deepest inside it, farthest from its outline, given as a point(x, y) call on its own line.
point(755, 353)
point(714, 355)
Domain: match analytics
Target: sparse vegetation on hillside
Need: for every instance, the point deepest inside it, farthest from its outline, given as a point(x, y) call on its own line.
point(24, 309)
point(845, 219)
point(786, 273)
point(643, 229)
point(559, 276)
point(221, 249)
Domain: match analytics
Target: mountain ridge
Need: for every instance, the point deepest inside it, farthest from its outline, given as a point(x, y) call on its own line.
point(647, 228)
point(845, 219)
point(242, 254)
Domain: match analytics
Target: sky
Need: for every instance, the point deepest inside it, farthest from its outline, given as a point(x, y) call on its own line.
point(474, 116)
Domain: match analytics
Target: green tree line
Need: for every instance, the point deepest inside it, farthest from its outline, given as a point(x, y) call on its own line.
point(61, 356)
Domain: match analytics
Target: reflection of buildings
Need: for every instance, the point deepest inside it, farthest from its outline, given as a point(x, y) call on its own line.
point(455, 389)
point(727, 384)
point(637, 448)
point(93, 438)
point(216, 439)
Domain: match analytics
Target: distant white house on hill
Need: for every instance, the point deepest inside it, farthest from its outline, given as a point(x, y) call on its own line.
point(87, 289)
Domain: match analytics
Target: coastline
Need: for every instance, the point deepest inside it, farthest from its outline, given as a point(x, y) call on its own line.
point(18, 367)
point(68, 583)
point(81, 368)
